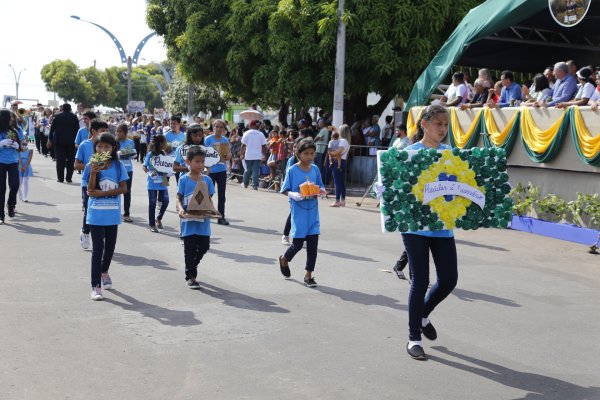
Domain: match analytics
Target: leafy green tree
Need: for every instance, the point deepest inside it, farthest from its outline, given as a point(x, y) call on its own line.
point(283, 53)
point(65, 78)
point(208, 99)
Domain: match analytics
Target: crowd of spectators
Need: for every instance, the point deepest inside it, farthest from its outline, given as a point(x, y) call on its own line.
point(560, 86)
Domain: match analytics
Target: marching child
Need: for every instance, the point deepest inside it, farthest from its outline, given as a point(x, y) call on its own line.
point(304, 211)
point(157, 184)
point(84, 152)
point(105, 182)
point(195, 233)
point(126, 153)
point(25, 171)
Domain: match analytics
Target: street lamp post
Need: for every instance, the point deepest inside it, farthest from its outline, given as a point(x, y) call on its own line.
point(17, 79)
point(124, 59)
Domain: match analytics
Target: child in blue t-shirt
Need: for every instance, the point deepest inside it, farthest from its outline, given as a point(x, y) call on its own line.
point(85, 150)
point(157, 184)
point(105, 183)
point(25, 171)
point(195, 233)
point(126, 153)
point(305, 211)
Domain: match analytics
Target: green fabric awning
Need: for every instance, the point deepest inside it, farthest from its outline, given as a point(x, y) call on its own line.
point(482, 21)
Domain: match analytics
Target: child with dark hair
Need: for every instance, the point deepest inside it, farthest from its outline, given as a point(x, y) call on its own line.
point(85, 150)
point(304, 210)
point(126, 153)
point(25, 171)
point(195, 233)
point(157, 184)
point(105, 180)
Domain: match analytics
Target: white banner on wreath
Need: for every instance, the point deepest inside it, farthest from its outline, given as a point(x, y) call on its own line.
point(162, 163)
point(437, 189)
point(212, 155)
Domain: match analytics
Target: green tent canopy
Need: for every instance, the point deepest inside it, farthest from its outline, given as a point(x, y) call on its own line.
point(519, 35)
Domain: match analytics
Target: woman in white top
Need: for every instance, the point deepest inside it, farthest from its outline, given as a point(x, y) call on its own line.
point(586, 89)
point(539, 91)
point(338, 151)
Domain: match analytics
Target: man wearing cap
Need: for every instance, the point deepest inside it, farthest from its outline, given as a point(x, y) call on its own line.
point(253, 151)
point(62, 138)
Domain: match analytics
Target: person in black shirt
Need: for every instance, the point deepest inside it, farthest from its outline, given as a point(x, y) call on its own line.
point(480, 96)
point(62, 138)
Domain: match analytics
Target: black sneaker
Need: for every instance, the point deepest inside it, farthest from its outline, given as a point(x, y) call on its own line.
point(222, 221)
point(11, 212)
point(193, 284)
point(285, 269)
point(310, 282)
point(416, 352)
point(429, 331)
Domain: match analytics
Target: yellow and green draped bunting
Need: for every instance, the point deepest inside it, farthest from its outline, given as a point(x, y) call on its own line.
point(494, 137)
point(587, 146)
point(542, 146)
point(411, 124)
point(459, 138)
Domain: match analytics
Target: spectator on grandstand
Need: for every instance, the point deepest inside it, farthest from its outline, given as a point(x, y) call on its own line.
point(572, 68)
point(467, 78)
point(402, 140)
point(539, 91)
point(549, 74)
point(479, 98)
point(586, 90)
point(564, 89)
point(457, 92)
point(494, 95)
point(511, 91)
point(486, 77)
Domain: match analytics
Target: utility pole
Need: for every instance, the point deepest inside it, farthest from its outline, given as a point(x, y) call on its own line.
point(17, 79)
point(129, 77)
point(340, 66)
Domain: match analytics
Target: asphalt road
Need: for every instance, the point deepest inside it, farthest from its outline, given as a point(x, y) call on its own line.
point(522, 323)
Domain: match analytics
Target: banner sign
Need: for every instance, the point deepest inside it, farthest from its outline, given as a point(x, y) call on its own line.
point(569, 13)
point(162, 163)
point(212, 154)
point(433, 190)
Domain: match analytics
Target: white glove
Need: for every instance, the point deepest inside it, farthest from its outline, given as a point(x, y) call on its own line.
point(379, 189)
point(6, 143)
point(152, 174)
point(15, 145)
point(295, 196)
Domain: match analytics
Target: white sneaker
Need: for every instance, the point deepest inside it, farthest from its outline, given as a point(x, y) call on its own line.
point(285, 240)
point(96, 294)
point(84, 240)
point(106, 281)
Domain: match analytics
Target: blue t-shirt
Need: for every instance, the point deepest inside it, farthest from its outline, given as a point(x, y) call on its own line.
point(175, 139)
point(154, 182)
point(84, 152)
point(8, 155)
point(105, 210)
point(305, 213)
point(291, 161)
point(186, 188)
point(126, 159)
point(444, 233)
point(211, 141)
point(82, 134)
point(24, 156)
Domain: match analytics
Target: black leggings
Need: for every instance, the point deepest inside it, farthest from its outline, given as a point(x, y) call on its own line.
point(104, 239)
point(288, 225)
point(312, 243)
point(10, 172)
point(220, 181)
point(194, 248)
point(127, 195)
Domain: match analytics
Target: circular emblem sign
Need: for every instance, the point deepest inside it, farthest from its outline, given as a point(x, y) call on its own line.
point(568, 13)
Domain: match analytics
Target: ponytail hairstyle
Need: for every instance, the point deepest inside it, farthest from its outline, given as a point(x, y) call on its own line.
point(428, 115)
point(155, 145)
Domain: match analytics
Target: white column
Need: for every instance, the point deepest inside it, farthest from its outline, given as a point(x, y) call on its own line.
point(340, 64)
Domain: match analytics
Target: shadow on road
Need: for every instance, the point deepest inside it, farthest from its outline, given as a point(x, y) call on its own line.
point(467, 295)
point(359, 297)
point(32, 230)
point(242, 258)
point(36, 218)
point(240, 300)
point(161, 314)
point(540, 387)
point(137, 261)
point(252, 229)
point(41, 203)
point(484, 246)
point(346, 256)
